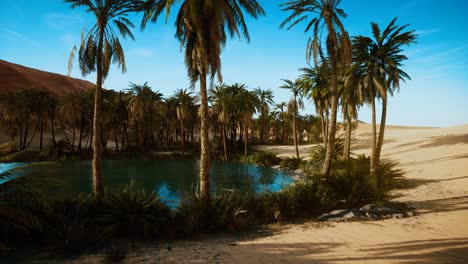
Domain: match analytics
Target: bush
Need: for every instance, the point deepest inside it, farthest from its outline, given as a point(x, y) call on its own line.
point(350, 181)
point(318, 152)
point(21, 156)
point(233, 210)
point(129, 213)
point(262, 159)
point(291, 163)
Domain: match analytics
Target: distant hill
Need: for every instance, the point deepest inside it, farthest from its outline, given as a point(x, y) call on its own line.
point(14, 77)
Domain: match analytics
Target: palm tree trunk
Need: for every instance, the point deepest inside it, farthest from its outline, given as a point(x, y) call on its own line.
point(26, 130)
point(52, 127)
point(116, 141)
point(98, 188)
point(322, 122)
point(294, 128)
point(347, 149)
point(81, 133)
point(373, 166)
point(41, 136)
point(224, 142)
point(381, 131)
point(246, 138)
point(182, 135)
point(73, 138)
point(331, 132)
point(204, 141)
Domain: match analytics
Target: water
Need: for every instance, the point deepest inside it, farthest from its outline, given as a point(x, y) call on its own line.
point(170, 179)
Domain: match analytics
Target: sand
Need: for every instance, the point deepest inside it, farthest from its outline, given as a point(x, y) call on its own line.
point(436, 159)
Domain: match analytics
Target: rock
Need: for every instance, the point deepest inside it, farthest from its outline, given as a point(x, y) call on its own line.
point(337, 215)
point(410, 214)
point(276, 167)
point(397, 216)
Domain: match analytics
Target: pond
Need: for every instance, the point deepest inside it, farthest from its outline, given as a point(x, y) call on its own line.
point(170, 179)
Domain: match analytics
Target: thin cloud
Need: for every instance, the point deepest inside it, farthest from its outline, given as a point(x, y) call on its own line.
point(427, 32)
point(60, 21)
point(143, 52)
point(21, 37)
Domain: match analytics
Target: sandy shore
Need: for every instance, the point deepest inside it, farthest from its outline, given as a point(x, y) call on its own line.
point(436, 159)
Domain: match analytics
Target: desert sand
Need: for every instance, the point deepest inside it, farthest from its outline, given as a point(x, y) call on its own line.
point(436, 159)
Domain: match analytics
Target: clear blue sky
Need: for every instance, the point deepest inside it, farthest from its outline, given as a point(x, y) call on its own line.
point(40, 34)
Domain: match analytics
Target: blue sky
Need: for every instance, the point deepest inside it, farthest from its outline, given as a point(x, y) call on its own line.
point(40, 34)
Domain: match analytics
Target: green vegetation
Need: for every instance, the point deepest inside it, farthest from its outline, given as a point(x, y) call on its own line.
point(348, 72)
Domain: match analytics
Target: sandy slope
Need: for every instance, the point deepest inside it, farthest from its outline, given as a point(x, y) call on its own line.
point(435, 158)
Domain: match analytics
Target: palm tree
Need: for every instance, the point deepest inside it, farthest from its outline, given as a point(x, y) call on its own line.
point(201, 30)
point(223, 106)
point(142, 105)
point(338, 46)
point(351, 100)
point(294, 104)
point(247, 103)
point(315, 86)
point(183, 101)
point(265, 98)
point(99, 47)
point(381, 60)
point(280, 107)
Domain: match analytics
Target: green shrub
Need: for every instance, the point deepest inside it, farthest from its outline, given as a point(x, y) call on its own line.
point(233, 210)
point(262, 158)
point(350, 181)
point(21, 156)
point(291, 163)
point(129, 213)
point(318, 152)
point(55, 150)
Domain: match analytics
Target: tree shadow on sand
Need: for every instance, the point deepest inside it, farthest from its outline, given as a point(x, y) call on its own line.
point(413, 251)
point(447, 140)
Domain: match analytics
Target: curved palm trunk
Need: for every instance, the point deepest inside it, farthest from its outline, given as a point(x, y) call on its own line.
point(294, 129)
point(381, 131)
point(347, 149)
point(373, 166)
point(204, 141)
point(330, 145)
point(98, 188)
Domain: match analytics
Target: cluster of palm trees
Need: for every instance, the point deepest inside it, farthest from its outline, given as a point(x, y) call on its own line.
point(141, 117)
point(350, 72)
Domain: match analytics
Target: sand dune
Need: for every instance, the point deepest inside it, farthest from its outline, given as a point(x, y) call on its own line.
point(436, 159)
point(14, 77)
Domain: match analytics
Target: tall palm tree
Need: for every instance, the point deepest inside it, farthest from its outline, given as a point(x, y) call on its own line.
point(295, 104)
point(382, 59)
point(201, 29)
point(266, 100)
point(99, 47)
point(338, 46)
point(183, 101)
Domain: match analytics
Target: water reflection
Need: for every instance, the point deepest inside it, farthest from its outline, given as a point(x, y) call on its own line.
point(170, 179)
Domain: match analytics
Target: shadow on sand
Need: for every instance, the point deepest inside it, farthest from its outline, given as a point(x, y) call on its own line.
point(413, 251)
